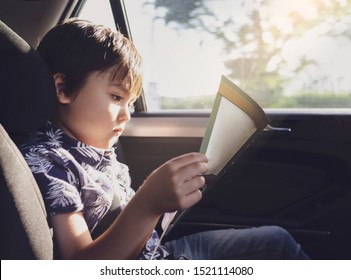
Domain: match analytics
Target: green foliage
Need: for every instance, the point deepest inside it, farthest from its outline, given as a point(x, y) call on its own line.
point(301, 100)
point(185, 13)
point(313, 100)
point(193, 102)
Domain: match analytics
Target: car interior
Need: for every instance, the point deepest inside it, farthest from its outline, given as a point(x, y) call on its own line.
point(25, 234)
point(298, 178)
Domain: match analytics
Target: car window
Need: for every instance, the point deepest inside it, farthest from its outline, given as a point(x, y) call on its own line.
point(285, 54)
point(104, 15)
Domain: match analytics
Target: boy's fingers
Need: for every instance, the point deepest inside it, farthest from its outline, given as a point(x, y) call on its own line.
point(194, 184)
point(191, 199)
point(188, 159)
point(193, 170)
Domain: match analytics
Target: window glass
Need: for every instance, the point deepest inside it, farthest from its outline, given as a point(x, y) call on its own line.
point(99, 12)
point(285, 54)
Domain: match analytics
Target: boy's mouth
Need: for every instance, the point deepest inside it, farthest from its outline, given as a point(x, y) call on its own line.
point(118, 131)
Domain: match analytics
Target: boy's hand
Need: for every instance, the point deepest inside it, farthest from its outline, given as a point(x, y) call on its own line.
point(175, 185)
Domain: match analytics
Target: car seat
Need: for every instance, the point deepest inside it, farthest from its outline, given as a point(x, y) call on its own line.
point(27, 95)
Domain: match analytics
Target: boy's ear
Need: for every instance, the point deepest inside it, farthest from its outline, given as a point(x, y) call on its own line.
point(60, 85)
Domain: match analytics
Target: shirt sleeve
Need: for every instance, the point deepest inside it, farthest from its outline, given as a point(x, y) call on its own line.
point(57, 182)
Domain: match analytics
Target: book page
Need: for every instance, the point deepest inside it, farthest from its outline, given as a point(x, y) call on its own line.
point(232, 127)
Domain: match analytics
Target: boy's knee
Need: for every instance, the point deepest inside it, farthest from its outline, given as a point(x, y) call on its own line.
point(277, 235)
point(281, 238)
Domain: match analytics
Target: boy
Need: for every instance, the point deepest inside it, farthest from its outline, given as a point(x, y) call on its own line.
point(98, 77)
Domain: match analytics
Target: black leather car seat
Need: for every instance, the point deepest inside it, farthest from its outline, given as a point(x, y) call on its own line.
point(27, 100)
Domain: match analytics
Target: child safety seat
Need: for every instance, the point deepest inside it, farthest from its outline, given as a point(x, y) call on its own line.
point(27, 100)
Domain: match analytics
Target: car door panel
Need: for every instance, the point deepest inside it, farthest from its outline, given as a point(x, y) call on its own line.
point(299, 179)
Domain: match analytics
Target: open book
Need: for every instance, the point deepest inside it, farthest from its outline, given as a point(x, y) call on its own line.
point(235, 121)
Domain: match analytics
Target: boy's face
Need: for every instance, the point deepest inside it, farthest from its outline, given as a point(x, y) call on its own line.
point(98, 113)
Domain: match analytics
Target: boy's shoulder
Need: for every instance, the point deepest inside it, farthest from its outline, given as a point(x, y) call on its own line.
point(45, 143)
point(52, 144)
point(46, 138)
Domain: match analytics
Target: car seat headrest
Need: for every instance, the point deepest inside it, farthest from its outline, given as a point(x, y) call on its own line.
point(27, 90)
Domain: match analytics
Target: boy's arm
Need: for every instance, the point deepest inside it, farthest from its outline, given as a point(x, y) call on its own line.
point(175, 185)
point(123, 240)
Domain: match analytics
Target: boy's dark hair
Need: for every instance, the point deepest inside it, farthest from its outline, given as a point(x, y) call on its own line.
point(77, 48)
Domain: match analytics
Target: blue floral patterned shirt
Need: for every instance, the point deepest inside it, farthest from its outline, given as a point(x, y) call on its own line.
point(73, 177)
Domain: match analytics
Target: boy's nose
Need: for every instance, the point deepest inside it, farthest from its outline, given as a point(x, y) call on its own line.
point(124, 114)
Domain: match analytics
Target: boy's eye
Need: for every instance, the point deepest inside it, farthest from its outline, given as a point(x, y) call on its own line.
point(117, 97)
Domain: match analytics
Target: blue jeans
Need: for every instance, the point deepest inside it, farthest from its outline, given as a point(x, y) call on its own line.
point(261, 243)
